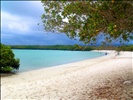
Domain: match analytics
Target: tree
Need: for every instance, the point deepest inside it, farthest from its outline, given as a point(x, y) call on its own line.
point(88, 19)
point(7, 62)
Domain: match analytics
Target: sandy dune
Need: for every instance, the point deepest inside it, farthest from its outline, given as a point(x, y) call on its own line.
point(103, 78)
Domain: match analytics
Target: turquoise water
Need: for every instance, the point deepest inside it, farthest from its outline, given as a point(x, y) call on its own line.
point(35, 59)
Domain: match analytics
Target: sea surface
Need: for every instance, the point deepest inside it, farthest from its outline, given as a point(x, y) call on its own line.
point(36, 59)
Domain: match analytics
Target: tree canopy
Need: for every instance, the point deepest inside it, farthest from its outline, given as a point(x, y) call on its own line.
point(7, 61)
point(88, 19)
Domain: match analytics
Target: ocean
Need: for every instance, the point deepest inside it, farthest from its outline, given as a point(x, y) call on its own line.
point(36, 59)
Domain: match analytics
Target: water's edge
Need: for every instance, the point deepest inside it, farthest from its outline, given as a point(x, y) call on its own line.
point(37, 59)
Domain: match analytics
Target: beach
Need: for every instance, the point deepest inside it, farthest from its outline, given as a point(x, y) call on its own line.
point(108, 77)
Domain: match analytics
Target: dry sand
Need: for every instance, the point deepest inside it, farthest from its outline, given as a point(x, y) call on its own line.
point(102, 78)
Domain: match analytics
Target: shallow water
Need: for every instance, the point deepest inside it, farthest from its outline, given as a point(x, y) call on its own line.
point(35, 59)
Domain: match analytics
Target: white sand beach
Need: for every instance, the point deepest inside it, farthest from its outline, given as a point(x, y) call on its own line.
point(104, 78)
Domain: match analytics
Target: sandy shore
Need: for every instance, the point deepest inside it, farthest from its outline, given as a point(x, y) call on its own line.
point(102, 78)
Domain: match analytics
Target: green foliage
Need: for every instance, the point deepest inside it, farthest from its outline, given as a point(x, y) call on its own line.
point(125, 48)
point(53, 47)
point(117, 48)
point(8, 61)
point(86, 19)
point(6, 69)
point(74, 47)
point(104, 47)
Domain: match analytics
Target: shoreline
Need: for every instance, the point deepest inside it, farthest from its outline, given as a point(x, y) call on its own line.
point(102, 51)
point(24, 69)
point(62, 81)
point(62, 67)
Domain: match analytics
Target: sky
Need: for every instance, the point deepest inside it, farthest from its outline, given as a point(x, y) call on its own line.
point(19, 25)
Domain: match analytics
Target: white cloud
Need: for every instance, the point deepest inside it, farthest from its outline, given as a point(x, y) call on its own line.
point(17, 26)
point(16, 23)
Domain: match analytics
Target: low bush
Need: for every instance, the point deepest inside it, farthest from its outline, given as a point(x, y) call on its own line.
point(8, 62)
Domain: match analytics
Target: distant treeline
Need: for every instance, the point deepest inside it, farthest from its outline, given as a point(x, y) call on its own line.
point(117, 48)
point(125, 48)
point(72, 47)
point(51, 47)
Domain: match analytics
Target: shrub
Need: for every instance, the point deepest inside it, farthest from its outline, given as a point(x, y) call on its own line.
point(8, 62)
point(6, 69)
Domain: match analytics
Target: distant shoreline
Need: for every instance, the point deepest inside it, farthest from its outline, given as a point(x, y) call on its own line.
point(52, 47)
point(47, 49)
point(72, 47)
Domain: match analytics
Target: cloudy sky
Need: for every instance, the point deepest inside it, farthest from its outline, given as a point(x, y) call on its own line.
point(19, 21)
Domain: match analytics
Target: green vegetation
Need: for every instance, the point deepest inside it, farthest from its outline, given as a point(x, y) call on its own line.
point(52, 47)
point(87, 19)
point(125, 48)
point(8, 63)
point(73, 47)
point(105, 47)
point(117, 48)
